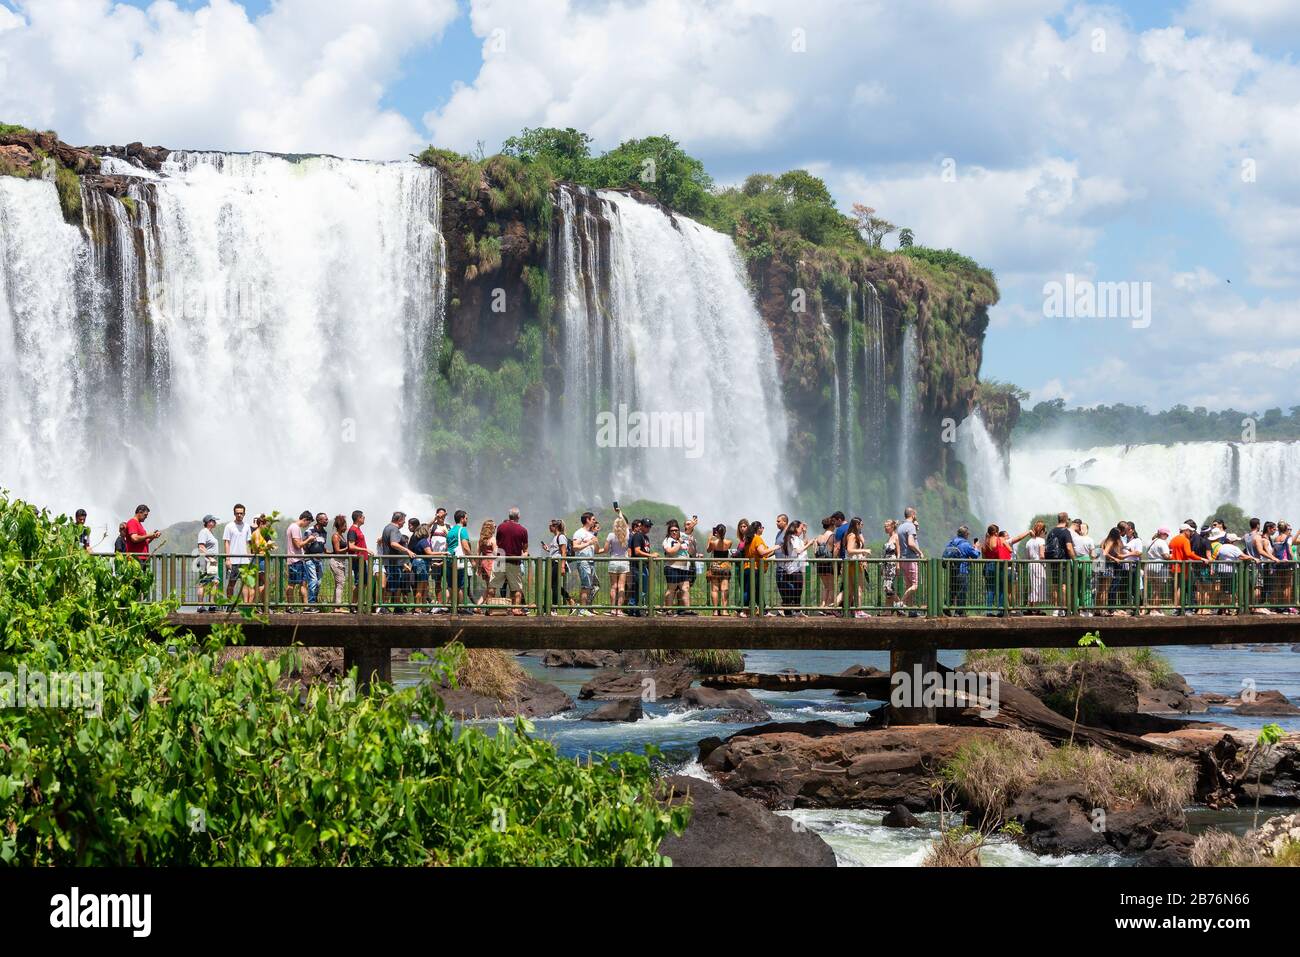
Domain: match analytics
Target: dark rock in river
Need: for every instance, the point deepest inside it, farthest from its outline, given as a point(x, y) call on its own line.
point(740, 706)
point(1267, 704)
point(1058, 818)
point(532, 699)
point(580, 658)
point(727, 830)
point(859, 671)
point(1169, 849)
point(1166, 701)
point(900, 816)
point(662, 684)
point(622, 709)
point(822, 764)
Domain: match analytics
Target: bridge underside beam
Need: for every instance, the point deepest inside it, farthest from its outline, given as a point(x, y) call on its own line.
point(382, 632)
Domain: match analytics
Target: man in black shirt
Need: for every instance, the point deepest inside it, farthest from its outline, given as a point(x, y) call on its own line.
point(314, 544)
point(1059, 551)
point(638, 547)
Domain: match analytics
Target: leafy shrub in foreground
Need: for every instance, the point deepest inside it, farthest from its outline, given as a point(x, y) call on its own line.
point(192, 762)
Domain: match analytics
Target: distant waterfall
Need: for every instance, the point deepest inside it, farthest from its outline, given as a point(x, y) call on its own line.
point(1152, 485)
point(655, 318)
point(873, 363)
point(908, 372)
point(239, 327)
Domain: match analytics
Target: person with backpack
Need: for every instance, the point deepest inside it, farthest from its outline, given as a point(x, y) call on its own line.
point(957, 555)
point(1058, 550)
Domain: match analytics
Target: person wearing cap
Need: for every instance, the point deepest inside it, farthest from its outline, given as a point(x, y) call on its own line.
point(1157, 569)
point(641, 553)
point(1180, 552)
point(1228, 556)
point(206, 564)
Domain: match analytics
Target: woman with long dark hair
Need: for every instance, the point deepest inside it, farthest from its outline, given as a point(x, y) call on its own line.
point(756, 554)
point(855, 553)
point(719, 574)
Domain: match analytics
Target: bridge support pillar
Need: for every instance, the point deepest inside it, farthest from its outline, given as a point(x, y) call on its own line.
point(372, 664)
point(909, 671)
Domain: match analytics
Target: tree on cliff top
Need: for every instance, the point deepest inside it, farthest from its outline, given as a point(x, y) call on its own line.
point(566, 152)
point(659, 166)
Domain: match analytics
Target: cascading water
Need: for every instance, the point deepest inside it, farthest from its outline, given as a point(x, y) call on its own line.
point(1152, 485)
point(873, 363)
point(852, 475)
point(907, 415)
point(239, 327)
point(683, 342)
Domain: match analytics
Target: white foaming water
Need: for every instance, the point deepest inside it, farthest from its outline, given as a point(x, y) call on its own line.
point(663, 322)
point(257, 329)
point(907, 414)
point(1152, 485)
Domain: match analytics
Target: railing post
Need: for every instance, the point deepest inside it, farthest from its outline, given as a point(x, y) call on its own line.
point(846, 600)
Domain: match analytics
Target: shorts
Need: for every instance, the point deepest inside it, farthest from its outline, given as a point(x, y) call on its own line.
point(675, 576)
point(512, 574)
point(619, 568)
point(586, 574)
point(397, 578)
point(297, 573)
point(911, 572)
point(420, 569)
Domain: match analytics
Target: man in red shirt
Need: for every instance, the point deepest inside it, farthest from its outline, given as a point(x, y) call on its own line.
point(1181, 554)
point(137, 539)
point(512, 539)
point(359, 553)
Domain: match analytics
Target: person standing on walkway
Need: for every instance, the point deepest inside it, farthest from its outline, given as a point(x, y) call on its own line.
point(910, 553)
point(512, 540)
point(339, 561)
point(237, 537)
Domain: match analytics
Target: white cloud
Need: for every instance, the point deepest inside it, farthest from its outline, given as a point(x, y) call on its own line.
point(306, 76)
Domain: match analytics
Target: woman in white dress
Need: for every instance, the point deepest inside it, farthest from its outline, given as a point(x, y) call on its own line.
point(1034, 550)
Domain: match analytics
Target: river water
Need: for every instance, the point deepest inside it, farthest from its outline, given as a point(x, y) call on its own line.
point(857, 836)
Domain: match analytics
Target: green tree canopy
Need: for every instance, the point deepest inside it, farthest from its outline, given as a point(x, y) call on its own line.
point(566, 152)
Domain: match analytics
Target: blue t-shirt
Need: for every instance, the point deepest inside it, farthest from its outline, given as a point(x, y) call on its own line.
point(455, 535)
point(839, 538)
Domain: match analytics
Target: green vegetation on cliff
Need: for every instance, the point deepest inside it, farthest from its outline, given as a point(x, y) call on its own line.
point(812, 269)
point(178, 755)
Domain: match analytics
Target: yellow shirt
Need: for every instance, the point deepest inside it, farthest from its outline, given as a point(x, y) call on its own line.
point(755, 549)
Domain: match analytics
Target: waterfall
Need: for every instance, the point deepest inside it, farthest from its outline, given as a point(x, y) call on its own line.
point(873, 363)
point(657, 320)
point(837, 416)
point(907, 415)
point(1152, 485)
point(244, 327)
point(852, 474)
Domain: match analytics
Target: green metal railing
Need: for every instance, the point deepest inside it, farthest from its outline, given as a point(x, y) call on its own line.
point(660, 586)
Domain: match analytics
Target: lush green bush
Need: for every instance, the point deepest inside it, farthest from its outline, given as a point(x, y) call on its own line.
point(189, 762)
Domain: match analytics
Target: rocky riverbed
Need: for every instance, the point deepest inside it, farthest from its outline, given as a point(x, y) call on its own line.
point(820, 765)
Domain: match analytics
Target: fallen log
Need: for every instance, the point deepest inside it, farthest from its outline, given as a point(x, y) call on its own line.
point(873, 686)
point(1016, 709)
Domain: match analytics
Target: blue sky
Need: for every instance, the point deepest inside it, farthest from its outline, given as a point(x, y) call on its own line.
point(1099, 140)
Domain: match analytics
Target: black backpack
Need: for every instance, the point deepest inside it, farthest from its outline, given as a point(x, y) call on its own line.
point(1054, 551)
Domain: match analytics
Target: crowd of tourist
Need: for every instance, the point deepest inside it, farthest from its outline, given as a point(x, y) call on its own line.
point(432, 566)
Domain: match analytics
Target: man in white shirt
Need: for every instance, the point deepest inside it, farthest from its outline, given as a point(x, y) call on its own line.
point(585, 546)
point(237, 536)
point(297, 565)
